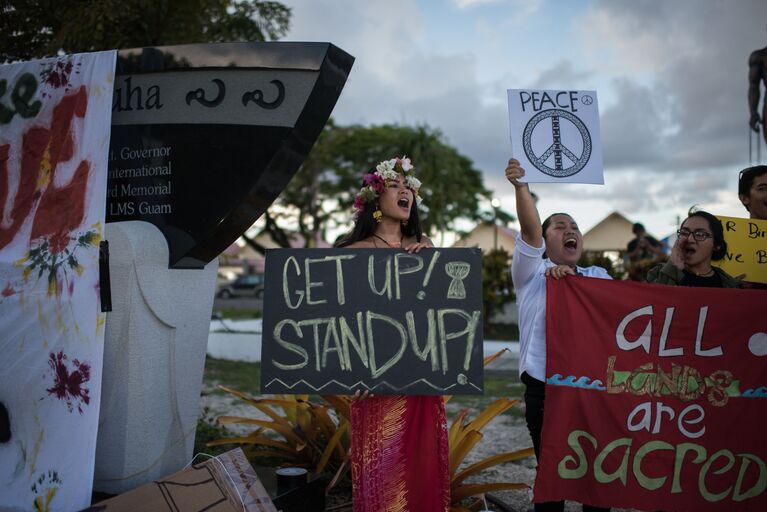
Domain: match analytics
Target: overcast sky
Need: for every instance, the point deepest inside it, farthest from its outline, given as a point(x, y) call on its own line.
point(671, 77)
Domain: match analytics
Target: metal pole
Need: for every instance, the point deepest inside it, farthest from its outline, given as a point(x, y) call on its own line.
point(496, 204)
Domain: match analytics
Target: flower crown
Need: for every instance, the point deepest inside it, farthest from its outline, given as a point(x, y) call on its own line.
point(377, 181)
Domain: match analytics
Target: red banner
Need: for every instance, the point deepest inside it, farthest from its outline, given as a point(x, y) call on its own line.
point(656, 396)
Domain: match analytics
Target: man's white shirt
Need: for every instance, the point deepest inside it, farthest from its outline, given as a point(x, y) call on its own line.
point(528, 272)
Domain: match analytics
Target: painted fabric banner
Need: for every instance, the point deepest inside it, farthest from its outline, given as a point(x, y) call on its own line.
point(54, 139)
point(656, 396)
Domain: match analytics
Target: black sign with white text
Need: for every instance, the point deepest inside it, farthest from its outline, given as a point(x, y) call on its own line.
point(379, 319)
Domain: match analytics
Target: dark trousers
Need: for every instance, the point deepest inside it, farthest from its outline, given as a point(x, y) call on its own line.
point(535, 394)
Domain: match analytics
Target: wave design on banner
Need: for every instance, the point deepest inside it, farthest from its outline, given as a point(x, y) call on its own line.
point(575, 382)
point(760, 392)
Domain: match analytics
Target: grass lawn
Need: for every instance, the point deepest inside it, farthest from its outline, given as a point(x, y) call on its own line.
point(245, 377)
point(238, 314)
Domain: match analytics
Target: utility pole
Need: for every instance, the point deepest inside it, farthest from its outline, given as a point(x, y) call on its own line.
point(496, 204)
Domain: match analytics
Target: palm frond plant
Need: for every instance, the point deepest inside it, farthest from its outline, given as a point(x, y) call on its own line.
point(463, 436)
point(304, 434)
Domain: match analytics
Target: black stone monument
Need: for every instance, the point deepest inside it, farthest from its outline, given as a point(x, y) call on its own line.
point(206, 136)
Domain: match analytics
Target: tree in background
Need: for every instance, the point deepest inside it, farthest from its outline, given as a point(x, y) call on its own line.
point(319, 197)
point(497, 287)
point(453, 188)
point(37, 28)
point(304, 202)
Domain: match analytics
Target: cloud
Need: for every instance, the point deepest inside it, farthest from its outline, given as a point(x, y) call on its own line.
point(675, 129)
point(519, 8)
point(563, 76)
point(680, 71)
point(671, 78)
point(465, 4)
point(632, 129)
point(383, 34)
point(623, 37)
point(394, 80)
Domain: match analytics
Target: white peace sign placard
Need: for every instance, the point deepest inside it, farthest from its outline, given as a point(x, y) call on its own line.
point(555, 135)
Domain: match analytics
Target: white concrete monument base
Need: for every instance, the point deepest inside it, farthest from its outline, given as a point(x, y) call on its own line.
point(154, 354)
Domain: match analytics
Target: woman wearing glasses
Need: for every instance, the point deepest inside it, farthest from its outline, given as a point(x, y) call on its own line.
point(700, 241)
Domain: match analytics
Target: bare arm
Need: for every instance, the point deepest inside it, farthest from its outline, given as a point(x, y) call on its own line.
point(527, 212)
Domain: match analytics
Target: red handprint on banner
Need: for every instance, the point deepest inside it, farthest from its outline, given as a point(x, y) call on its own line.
point(59, 210)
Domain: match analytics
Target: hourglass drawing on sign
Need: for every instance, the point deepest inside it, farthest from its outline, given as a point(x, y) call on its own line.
point(458, 270)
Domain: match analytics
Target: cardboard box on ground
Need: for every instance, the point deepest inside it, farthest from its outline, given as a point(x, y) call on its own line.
point(226, 483)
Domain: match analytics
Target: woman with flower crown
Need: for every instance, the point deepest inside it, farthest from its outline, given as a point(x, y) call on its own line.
point(400, 458)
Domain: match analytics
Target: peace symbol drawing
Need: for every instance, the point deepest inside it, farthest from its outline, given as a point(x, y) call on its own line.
point(555, 135)
point(549, 154)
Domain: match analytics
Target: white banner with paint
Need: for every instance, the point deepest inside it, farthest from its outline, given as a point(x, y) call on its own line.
point(54, 140)
point(555, 135)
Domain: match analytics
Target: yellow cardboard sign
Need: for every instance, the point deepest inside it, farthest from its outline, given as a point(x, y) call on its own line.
point(746, 248)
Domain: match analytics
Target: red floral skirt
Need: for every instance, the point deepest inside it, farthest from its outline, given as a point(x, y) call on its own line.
point(400, 457)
